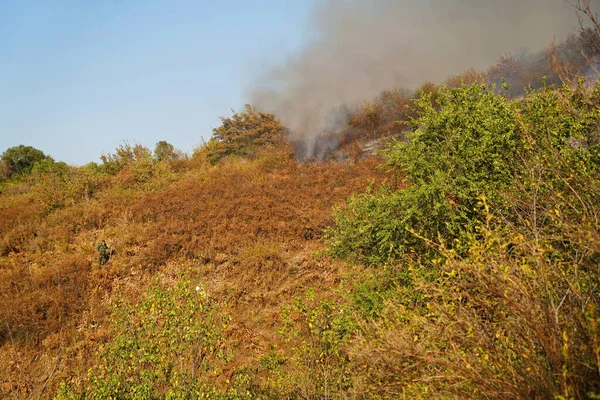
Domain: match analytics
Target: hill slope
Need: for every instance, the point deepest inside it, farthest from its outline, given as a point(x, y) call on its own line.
point(246, 231)
point(466, 267)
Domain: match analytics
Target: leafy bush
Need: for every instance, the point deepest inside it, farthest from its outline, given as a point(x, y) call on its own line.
point(244, 133)
point(319, 366)
point(85, 182)
point(164, 151)
point(370, 228)
point(513, 318)
point(125, 155)
point(167, 345)
point(465, 144)
point(20, 160)
point(502, 215)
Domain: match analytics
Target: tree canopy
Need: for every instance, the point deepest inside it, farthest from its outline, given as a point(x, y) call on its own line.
point(244, 133)
point(20, 160)
point(165, 151)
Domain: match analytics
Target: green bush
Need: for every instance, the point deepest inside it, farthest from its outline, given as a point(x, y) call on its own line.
point(464, 144)
point(496, 242)
point(318, 365)
point(125, 155)
point(244, 134)
point(371, 228)
point(164, 151)
point(468, 144)
point(512, 318)
point(20, 160)
point(168, 345)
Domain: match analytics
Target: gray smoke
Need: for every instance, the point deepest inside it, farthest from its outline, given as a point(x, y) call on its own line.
point(362, 47)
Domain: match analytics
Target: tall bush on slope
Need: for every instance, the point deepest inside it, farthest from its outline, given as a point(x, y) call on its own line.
point(244, 134)
point(464, 144)
point(512, 309)
point(469, 143)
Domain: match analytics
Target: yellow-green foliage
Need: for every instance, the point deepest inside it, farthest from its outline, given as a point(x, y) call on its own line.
point(167, 345)
point(244, 134)
point(468, 143)
point(20, 160)
point(318, 365)
point(497, 244)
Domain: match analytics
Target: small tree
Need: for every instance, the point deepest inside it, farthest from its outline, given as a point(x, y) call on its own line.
point(19, 160)
point(244, 133)
point(166, 345)
point(124, 155)
point(165, 151)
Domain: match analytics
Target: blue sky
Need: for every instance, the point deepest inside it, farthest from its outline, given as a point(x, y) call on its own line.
point(79, 77)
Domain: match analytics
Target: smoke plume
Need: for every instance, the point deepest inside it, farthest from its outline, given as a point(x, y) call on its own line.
point(363, 47)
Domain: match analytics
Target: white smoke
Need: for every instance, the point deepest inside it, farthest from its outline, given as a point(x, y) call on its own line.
point(363, 47)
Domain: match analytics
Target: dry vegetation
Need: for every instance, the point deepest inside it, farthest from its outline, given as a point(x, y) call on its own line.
point(247, 230)
point(466, 267)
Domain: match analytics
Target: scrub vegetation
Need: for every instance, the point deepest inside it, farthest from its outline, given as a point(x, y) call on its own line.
point(460, 261)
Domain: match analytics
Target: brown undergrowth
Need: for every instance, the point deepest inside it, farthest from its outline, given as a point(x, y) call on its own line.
point(248, 231)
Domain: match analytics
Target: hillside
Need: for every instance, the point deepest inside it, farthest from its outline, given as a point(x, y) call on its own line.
point(246, 231)
point(458, 260)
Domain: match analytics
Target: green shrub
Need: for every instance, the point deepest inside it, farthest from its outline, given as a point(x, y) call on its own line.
point(511, 319)
point(168, 345)
point(503, 204)
point(464, 144)
point(318, 366)
point(468, 144)
point(370, 228)
point(20, 160)
point(164, 151)
point(125, 155)
point(376, 287)
point(244, 134)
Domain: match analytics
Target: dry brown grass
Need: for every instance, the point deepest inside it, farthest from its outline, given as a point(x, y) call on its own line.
point(249, 230)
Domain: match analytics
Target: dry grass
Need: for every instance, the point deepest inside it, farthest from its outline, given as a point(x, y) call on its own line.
point(248, 230)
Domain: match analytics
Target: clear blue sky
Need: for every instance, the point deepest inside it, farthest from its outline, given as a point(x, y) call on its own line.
point(79, 77)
